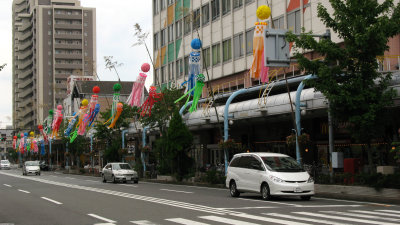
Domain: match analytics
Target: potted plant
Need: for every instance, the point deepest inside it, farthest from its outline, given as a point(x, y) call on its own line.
point(303, 139)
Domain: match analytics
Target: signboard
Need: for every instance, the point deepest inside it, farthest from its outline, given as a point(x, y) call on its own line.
point(276, 48)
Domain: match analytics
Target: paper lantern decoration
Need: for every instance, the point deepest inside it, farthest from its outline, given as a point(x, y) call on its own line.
point(135, 98)
point(154, 97)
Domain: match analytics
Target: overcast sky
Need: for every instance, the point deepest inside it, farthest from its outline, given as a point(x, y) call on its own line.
point(115, 20)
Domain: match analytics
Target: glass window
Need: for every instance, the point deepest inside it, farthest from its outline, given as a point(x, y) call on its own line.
point(178, 29)
point(235, 162)
point(205, 14)
point(163, 37)
point(156, 6)
point(255, 164)
point(171, 75)
point(186, 63)
point(226, 6)
point(278, 23)
point(249, 41)
point(281, 164)
point(179, 68)
point(238, 49)
point(245, 161)
point(186, 24)
point(206, 57)
point(227, 50)
point(215, 11)
point(170, 2)
point(293, 22)
point(237, 3)
point(163, 76)
point(171, 33)
point(156, 41)
point(216, 54)
point(196, 19)
point(162, 4)
point(248, 1)
point(121, 166)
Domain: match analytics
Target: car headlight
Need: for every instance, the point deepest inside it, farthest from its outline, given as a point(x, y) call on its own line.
point(276, 179)
point(310, 180)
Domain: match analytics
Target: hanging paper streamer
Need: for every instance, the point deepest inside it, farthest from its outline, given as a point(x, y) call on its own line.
point(117, 88)
point(84, 123)
point(49, 122)
point(194, 65)
point(258, 70)
point(14, 142)
point(40, 127)
point(17, 144)
point(57, 122)
point(94, 107)
point(148, 104)
point(25, 142)
point(135, 98)
point(93, 116)
point(42, 151)
point(71, 124)
point(21, 144)
point(198, 89)
point(35, 147)
point(79, 117)
point(120, 107)
point(29, 144)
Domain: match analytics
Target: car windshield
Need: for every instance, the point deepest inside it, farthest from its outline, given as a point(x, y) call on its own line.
point(282, 164)
point(5, 161)
point(32, 163)
point(121, 166)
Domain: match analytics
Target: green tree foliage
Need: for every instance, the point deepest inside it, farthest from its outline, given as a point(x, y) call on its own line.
point(347, 76)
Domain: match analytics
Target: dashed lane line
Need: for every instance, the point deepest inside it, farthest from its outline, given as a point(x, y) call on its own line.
point(7, 185)
point(186, 192)
point(51, 200)
point(23, 191)
point(101, 218)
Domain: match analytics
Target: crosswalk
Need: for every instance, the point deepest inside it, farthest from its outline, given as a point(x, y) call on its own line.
point(387, 217)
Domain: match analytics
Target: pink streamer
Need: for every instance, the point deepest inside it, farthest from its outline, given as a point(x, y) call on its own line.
point(135, 98)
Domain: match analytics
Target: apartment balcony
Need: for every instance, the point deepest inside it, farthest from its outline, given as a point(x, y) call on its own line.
point(68, 66)
point(66, 16)
point(25, 36)
point(24, 26)
point(68, 56)
point(25, 45)
point(25, 93)
point(27, 122)
point(18, 2)
point(60, 96)
point(26, 111)
point(24, 54)
point(62, 76)
point(24, 74)
point(20, 8)
point(25, 83)
point(24, 64)
point(68, 36)
point(68, 26)
point(25, 103)
point(67, 46)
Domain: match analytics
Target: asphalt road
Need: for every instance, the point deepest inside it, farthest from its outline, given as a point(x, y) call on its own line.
point(55, 198)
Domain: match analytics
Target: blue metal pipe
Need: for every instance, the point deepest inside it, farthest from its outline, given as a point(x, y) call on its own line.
point(144, 145)
point(123, 137)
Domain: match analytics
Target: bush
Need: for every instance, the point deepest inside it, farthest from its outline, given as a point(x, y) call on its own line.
point(214, 177)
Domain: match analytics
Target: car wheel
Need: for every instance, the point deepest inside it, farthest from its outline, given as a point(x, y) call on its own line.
point(114, 181)
point(136, 181)
point(265, 193)
point(305, 198)
point(232, 189)
point(39, 174)
point(103, 178)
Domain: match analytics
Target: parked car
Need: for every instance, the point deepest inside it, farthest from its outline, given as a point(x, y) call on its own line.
point(5, 164)
point(119, 172)
point(31, 167)
point(270, 174)
point(43, 166)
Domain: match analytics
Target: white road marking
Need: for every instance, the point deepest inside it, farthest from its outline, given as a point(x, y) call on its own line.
point(23, 191)
point(226, 220)
point(51, 200)
point(53, 176)
point(303, 218)
point(92, 181)
point(255, 207)
point(268, 219)
point(392, 211)
point(128, 185)
point(101, 218)
point(7, 185)
point(362, 216)
point(376, 213)
point(143, 222)
point(218, 189)
point(185, 221)
point(342, 218)
point(279, 203)
point(186, 192)
point(341, 200)
point(104, 224)
point(326, 206)
point(71, 178)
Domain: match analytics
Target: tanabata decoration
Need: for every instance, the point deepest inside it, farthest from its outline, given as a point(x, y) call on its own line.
point(135, 98)
point(79, 116)
point(258, 68)
point(96, 111)
point(71, 124)
point(198, 89)
point(17, 145)
point(21, 144)
point(194, 65)
point(57, 122)
point(94, 107)
point(120, 107)
point(116, 88)
point(14, 142)
point(147, 105)
point(49, 122)
point(35, 147)
point(40, 127)
point(29, 145)
point(25, 142)
point(42, 151)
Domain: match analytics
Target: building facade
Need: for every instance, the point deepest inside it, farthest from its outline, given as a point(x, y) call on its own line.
point(52, 39)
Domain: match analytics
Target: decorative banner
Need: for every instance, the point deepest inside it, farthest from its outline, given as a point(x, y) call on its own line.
point(57, 122)
point(94, 115)
point(148, 104)
point(198, 89)
point(117, 88)
point(258, 70)
point(22, 144)
point(120, 107)
point(49, 122)
point(79, 117)
point(18, 141)
point(135, 98)
point(71, 124)
point(40, 127)
point(42, 150)
point(94, 107)
point(194, 65)
point(14, 142)
point(35, 147)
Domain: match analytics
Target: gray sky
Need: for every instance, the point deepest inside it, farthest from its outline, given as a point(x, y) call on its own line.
point(115, 20)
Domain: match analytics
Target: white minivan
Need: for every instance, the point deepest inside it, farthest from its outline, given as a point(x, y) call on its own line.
point(270, 174)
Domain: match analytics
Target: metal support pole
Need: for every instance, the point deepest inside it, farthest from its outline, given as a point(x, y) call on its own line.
point(50, 153)
point(331, 140)
point(66, 158)
point(91, 150)
point(143, 145)
point(123, 141)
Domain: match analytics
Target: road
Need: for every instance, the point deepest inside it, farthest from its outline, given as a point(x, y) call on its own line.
point(55, 198)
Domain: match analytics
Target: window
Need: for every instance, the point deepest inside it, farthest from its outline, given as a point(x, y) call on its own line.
point(171, 33)
point(237, 3)
point(186, 64)
point(178, 29)
point(196, 19)
point(162, 4)
point(235, 162)
point(85, 34)
point(248, 1)
point(278, 23)
point(216, 54)
point(170, 2)
point(227, 50)
point(186, 24)
point(226, 6)
point(238, 49)
point(171, 72)
point(85, 24)
point(156, 41)
point(49, 32)
point(215, 9)
point(163, 37)
point(249, 41)
point(293, 22)
point(206, 57)
point(49, 22)
point(179, 68)
point(163, 74)
point(205, 14)
point(85, 13)
point(49, 12)
point(156, 6)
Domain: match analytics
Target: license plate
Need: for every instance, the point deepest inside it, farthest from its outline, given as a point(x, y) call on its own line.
point(298, 190)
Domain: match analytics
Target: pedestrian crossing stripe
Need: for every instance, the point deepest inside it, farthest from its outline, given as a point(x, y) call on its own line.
point(185, 221)
point(303, 218)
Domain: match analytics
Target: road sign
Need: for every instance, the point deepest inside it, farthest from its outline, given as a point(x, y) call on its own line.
point(276, 48)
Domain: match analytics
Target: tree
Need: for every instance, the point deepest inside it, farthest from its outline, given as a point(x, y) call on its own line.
point(347, 75)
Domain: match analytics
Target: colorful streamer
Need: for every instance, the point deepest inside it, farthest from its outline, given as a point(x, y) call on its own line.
point(136, 96)
point(147, 105)
point(57, 122)
point(40, 127)
point(117, 88)
point(120, 107)
point(198, 89)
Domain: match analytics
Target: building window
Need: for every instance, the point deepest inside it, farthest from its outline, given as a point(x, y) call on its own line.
point(293, 22)
point(171, 33)
point(170, 2)
point(178, 29)
point(205, 14)
point(163, 74)
point(237, 3)
point(85, 24)
point(85, 34)
point(238, 49)
point(49, 22)
point(49, 12)
point(156, 6)
point(248, 1)
point(171, 72)
point(196, 19)
point(186, 63)
point(249, 41)
point(163, 37)
point(227, 50)
point(278, 23)
point(179, 68)
point(206, 57)
point(186, 25)
point(226, 6)
point(215, 9)
point(162, 4)
point(155, 41)
point(216, 54)
point(49, 32)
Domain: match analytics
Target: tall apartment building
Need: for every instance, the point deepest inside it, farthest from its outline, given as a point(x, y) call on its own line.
point(226, 29)
point(52, 39)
